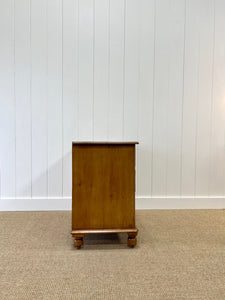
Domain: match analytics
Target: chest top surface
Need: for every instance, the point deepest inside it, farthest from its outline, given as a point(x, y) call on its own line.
point(103, 143)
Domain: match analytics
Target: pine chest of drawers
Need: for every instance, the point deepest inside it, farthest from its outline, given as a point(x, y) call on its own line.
point(103, 189)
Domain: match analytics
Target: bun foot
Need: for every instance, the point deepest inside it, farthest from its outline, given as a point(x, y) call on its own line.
point(78, 241)
point(132, 240)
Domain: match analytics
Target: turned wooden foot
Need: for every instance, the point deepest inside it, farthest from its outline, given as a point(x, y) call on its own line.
point(78, 240)
point(132, 240)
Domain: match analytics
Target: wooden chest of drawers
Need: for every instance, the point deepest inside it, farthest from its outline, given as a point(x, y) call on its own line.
point(103, 189)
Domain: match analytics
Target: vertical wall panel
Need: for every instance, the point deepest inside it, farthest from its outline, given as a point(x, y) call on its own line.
point(148, 70)
point(161, 91)
point(175, 92)
point(190, 99)
point(101, 69)
point(39, 97)
point(217, 172)
point(206, 44)
point(145, 96)
point(116, 71)
point(22, 97)
point(54, 97)
point(7, 100)
point(70, 88)
point(85, 75)
point(131, 69)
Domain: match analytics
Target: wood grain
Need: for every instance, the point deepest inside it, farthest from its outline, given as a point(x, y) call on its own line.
point(103, 195)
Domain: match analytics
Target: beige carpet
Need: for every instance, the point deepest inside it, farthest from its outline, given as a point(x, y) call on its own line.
point(180, 255)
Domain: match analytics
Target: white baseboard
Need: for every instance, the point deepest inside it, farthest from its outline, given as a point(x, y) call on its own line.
point(35, 203)
point(142, 202)
point(185, 202)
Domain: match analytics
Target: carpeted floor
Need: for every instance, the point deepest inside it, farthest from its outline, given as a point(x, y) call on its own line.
point(180, 255)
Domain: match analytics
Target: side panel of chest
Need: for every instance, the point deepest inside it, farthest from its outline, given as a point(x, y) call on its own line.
point(103, 195)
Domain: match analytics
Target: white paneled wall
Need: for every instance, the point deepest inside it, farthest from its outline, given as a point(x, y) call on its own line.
point(145, 70)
